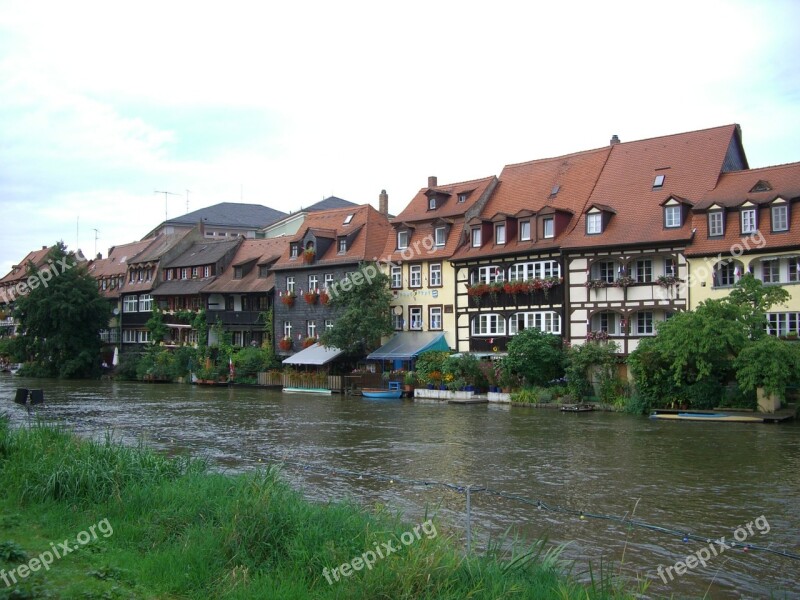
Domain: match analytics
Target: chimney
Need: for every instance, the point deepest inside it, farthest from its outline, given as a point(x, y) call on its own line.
point(432, 181)
point(44, 247)
point(383, 203)
point(614, 139)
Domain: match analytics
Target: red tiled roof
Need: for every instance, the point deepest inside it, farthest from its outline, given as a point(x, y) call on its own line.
point(422, 222)
point(116, 265)
point(691, 163)
point(369, 228)
point(251, 251)
point(732, 191)
point(20, 271)
point(529, 187)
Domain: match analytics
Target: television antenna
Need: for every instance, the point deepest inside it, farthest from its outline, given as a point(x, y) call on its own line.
point(96, 232)
point(165, 200)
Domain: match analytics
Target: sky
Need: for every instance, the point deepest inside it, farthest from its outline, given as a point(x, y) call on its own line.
point(286, 103)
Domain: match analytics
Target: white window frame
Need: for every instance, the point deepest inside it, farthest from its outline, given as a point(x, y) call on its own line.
point(439, 237)
point(607, 321)
point(488, 324)
point(143, 336)
point(343, 245)
point(287, 329)
point(748, 220)
point(475, 237)
point(793, 270)
point(435, 318)
point(783, 323)
point(435, 275)
point(500, 233)
point(415, 276)
point(524, 231)
point(311, 328)
point(432, 203)
point(488, 274)
point(594, 223)
point(130, 304)
point(415, 318)
point(294, 250)
point(547, 321)
point(605, 270)
point(290, 284)
point(313, 282)
point(645, 323)
point(328, 280)
point(206, 272)
point(548, 227)
point(771, 271)
point(672, 216)
point(328, 324)
point(643, 270)
point(396, 277)
point(402, 240)
point(128, 336)
point(145, 303)
point(781, 222)
point(716, 223)
point(397, 320)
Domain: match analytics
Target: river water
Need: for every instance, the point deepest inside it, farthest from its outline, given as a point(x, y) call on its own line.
point(702, 478)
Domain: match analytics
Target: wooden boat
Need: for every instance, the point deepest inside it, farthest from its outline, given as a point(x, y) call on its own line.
point(299, 390)
point(381, 393)
point(577, 408)
point(707, 416)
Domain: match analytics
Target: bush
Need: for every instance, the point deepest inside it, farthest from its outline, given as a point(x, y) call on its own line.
point(535, 356)
point(463, 370)
point(592, 362)
point(128, 365)
point(429, 364)
point(532, 395)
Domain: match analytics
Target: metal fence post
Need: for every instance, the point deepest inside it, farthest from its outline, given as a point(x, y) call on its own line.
point(469, 522)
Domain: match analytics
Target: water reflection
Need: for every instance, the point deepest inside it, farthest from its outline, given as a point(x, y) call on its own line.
point(702, 477)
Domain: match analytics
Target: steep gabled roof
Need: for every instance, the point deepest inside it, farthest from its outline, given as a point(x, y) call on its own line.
point(691, 164)
point(230, 214)
point(204, 253)
point(560, 184)
point(417, 209)
point(366, 230)
point(20, 271)
point(330, 203)
point(734, 190)
point(159, 245)
point(254, 253)
point(116, 265)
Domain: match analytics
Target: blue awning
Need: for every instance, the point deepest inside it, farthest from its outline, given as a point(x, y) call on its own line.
point(410, 344)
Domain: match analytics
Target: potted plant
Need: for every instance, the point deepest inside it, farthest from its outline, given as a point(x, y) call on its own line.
point(288, 297)
point(624, 281)
point(597, 336)
point(668, 280)
point(285, 344)
point(311, 296)
point(308, 255)
point(324, 298)
point(595, 284)
point(309, 341)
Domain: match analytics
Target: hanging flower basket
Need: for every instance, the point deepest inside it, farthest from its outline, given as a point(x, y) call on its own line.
point(324, 298)
point(624, 281)
point(668, 280)
point(309, 341)
point(311, 297)
point(288, 298)
point(285, 344)
point(596, 284)
point(597, 336)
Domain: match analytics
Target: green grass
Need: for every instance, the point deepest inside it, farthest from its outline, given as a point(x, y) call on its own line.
point(180, 531)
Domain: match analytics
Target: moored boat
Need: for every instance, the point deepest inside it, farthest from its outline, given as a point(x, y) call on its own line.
point(381, 393)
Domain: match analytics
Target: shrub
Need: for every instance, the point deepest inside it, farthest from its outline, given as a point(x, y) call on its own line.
point(429, 365)
point(535, 356)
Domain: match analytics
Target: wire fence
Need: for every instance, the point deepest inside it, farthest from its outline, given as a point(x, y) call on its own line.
point(469, 490)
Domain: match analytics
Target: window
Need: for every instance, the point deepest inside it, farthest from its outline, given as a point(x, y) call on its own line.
point(726, 273)
point(500, 234)
point(168, 274)
point(415, 276)
point(489, 324)
point(487, 275)
point(139, 274)
point(432, 203)
point(770, 272)
point(669, 267)
point(311, 329)
point(397, 277)
point(594, 223)
point(194, 272)
point(313, 282)
point(554, 191)
point(145, 303)
point(672, 216)
point(402, 240)
point(415, 317)
point(604, 271)
point(533, 270)
point(780, 218)
point(547, 322)
point(294, 249)
point(328, 324)
point(548, 227)
point(782, 323)
point(342, 245)
point(644, 323)
point(290, 284)
point(144, 336)
point(524, 230)
point(287, 329)
point(149, 274)
point(128, 336)
point(435, 275)
point(184, 273)
point(130, 304)
point(263, 271)
point(716, 223)
point(658, 182)
point(206, 272)
point(606, 321)
point(237, 272)
point(462, 197)
point(476, 237)
point(397, 320)
point(132, 276)
point(794, 270)
point(328, 280)
point(643, 271)
point(438, 235)
point(435, 318)
point(347, 219)
point(748, 220)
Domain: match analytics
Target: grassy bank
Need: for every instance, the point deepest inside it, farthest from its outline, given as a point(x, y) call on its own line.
point(156, 527)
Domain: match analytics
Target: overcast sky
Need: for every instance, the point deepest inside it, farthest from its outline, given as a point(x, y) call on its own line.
point(285, 103)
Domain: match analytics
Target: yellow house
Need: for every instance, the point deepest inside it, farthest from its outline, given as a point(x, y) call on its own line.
point(749, 223)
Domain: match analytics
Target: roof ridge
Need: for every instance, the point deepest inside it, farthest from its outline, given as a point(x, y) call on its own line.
point(756, 169)
point(445, 185)
point(671, 135)
point(559, 157)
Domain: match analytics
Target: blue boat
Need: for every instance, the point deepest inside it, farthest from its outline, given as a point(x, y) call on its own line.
point(381, 393)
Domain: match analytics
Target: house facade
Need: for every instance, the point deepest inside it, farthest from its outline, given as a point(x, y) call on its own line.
point(508, 268)
point(330, 245)
point(417, 251)
point(625, 258)
point(749, 223)
point(14, 284)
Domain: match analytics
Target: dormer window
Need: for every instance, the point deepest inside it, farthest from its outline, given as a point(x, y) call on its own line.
point(594, 223)
point(548, 227)
point(237, 272)
point(524, 230)
point(780, 217)
point(500, 233)
point(658, 183)
point(716, 223)
point(672, 216)
point(402, 240)
point(342, 245)
point(462, 197)
point(294, 249)
point(432, 203)
point(476, 237)
point(748, 220)
point(439, 236)
point(347, 219)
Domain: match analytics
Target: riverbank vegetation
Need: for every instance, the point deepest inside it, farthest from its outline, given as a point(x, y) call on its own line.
point(181, 531)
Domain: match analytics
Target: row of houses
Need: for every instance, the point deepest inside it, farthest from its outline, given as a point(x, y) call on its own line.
point(599, 244)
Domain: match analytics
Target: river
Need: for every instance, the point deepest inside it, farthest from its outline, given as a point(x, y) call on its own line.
point(702, 478)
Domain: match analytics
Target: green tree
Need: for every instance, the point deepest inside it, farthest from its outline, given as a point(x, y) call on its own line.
point(363, 315)
point(588, 362)
point(537, 357)
point(755, 299)
point(768, 363)
point(60, 322)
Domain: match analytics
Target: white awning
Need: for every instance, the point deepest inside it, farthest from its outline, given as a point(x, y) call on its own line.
point(313, 355)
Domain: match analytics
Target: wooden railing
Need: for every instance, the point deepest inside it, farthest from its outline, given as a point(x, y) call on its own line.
point(301, 380)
